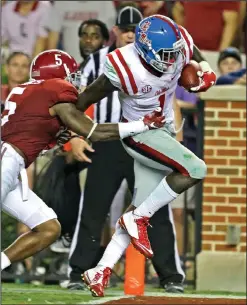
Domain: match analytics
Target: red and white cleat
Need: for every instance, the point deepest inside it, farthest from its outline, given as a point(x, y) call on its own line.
point(136, 227)
point(97, 280)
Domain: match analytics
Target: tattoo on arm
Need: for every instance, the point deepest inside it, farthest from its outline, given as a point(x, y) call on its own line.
point(197, 55)
point(81, 124)
point(95, 92)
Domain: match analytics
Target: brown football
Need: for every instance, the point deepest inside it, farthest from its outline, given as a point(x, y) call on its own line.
point(189, 77)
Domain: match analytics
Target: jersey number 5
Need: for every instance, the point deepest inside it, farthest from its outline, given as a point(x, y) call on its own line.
point(9, 105)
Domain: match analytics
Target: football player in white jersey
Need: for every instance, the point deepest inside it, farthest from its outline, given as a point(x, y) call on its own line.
point(146, 74)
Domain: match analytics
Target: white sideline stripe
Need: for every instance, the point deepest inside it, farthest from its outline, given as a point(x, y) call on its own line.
point(159, 294)
point(106, 299)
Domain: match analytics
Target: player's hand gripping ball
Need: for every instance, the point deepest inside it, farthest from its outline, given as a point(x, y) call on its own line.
point(189, 77)
point(197, 77)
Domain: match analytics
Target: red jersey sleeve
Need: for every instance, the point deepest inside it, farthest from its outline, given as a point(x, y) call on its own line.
point(62, 92)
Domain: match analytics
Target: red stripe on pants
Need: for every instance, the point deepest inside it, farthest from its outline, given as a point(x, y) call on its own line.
point(155, 155)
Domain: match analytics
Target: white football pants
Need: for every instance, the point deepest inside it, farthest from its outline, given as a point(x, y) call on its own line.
point(17, 199)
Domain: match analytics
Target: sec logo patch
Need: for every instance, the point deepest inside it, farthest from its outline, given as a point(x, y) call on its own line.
point(146, 89)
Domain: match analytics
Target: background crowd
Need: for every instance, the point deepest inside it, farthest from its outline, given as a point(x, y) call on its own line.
point(89, 30)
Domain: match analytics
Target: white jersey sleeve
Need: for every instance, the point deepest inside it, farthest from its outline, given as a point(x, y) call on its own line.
point(117, 70)
point(189, 44)
point(111, 74)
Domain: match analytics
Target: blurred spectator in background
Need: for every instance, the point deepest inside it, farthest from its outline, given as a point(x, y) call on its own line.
point(230, 68)
point(22, 24)
point(239, 37)
point(93, 35)
point(212, 24)
point(66, 16)
point(119, 4)
point(149, 8)
point(17, 72)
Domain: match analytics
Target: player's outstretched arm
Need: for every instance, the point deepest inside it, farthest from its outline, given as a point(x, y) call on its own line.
point(95, 92)
point(81, 124)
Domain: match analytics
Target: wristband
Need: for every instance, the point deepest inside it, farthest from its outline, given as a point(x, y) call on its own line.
point(131, 128)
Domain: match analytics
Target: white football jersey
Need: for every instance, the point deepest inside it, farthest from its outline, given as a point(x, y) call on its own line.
point(140, 90)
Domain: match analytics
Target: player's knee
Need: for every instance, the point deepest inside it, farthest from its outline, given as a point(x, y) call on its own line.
point(51, 230)
point(200, 170)
point(54, 230)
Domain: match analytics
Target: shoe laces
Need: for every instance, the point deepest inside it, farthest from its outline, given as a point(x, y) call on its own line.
point(103, 276)
point(143, 223)
point(97, 276)
point(106, 276)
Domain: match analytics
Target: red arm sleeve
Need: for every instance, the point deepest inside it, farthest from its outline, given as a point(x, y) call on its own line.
point(62, 91)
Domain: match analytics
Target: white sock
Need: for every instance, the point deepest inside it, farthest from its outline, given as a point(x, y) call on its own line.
point(5, 262)
point(160, 197)
point(115, 249)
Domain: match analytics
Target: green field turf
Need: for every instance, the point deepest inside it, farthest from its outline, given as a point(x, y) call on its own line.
point(53, 294)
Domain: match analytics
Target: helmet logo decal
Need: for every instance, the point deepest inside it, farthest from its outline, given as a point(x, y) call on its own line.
point(145, 26)
point(143, 36)
point(144, 39)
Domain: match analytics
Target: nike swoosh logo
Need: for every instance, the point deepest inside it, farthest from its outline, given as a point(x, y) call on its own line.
point(146, 249)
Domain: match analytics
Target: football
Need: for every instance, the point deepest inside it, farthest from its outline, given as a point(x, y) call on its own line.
point(189, 77)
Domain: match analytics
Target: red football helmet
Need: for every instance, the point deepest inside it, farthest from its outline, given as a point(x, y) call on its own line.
point(55, 64)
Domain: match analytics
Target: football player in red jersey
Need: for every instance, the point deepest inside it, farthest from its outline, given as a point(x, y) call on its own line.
point(34, 113)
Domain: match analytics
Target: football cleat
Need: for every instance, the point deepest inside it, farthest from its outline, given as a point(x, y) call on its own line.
point(137, 229)
point(96, 280)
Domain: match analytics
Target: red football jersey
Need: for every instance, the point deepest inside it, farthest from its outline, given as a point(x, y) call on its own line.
point(26, 122)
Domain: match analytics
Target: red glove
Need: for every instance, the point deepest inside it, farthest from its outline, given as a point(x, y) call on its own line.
point(154, 119)
point(207, 78)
